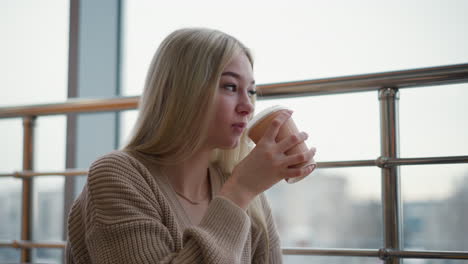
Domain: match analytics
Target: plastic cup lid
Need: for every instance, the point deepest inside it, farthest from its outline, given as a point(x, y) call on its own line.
point(260, 116)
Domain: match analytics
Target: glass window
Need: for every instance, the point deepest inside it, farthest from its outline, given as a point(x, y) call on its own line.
point(433, 121)
point(432, 124)
point(46, 255)
point(48, 190)
point(10, 188)
point(9, 255)
point(127, 122)
point(34, 52)
point(33, 69)
point(331, 208)
point(299, 40)
point(341, 127)
point(12, 145)
point(435, 207)
point(331, 202)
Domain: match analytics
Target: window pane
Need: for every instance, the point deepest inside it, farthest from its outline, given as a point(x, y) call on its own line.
point(433, 121)
point(48, 190)
point(435, 207)
point(34, 52)
point(330, 208)
point(299, 40)
point(341, 127)
point(9, 255)
point(48, 208)
point(127, 122)
point(33, 69)
point(11, 140)
point(49, 256)
point(433, 125)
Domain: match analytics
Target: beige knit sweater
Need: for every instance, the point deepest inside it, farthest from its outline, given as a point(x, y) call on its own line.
point(127, 214)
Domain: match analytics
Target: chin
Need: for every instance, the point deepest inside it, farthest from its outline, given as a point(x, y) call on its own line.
point(230, 145)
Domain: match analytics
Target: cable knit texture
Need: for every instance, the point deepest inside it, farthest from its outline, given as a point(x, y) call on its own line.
point(127, 214)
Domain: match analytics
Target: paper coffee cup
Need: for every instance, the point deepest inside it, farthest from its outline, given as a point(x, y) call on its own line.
point(261, 122)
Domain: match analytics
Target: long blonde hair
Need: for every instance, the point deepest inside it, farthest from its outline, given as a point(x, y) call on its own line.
point(180, 89)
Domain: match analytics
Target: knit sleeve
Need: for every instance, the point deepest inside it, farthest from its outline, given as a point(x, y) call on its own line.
point(125, 225)
point(273, 254)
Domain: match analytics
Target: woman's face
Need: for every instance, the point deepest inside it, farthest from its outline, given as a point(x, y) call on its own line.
point(233, 105)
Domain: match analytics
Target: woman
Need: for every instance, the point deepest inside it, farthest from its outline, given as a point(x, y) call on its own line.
point(187, 188)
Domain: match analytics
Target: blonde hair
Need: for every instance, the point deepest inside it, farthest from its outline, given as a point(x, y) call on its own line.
point(180, 89)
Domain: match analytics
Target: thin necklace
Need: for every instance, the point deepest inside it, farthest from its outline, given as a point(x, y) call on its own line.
point(191, 201)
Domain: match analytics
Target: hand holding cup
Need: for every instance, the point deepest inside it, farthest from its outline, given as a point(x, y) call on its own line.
point(280, 153)
point(259, 125)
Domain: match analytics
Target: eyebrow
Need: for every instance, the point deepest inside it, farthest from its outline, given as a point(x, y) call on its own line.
point(235, 75)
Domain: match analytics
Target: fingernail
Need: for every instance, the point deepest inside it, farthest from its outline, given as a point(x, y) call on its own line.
point(312, 167)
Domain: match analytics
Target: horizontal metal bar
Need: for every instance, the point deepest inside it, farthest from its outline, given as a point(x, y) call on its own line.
point(380, 162)
point(32, 244)
point(348, 163)
point(430, 254)
point(384, 162)
point(358, 83)
point(28, 174)
point(332, 252)
point(72, 106)
point(429, 161)
point(380, 253)
point(370, 82)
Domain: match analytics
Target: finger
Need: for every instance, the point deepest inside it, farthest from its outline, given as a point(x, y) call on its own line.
point(300, 172)
point(275, 125)
point(291, 141)
point(299, 158)
point(314, 149)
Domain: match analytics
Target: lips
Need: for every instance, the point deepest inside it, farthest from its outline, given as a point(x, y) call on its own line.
point(240, 125)
point(238, 128)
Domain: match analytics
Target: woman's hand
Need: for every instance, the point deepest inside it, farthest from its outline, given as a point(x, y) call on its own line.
point(267, 164)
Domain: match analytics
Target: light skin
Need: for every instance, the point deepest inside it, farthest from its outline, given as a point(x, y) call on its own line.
point(262, 168)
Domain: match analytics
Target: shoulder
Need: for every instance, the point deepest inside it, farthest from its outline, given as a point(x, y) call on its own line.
point(117, 166)
point(116, 159)
point(119, 186)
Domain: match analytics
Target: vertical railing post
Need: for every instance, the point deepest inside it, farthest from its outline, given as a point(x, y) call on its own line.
point(389, 137)
point(27, 189)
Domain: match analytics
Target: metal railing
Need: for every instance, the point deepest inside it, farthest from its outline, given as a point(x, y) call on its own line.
point(387, 84)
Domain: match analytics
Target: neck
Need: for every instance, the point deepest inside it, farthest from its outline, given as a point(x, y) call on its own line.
point(190, 177)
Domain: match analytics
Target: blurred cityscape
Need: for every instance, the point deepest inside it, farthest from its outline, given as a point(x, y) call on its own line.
point(322, 214)
point(318, 213)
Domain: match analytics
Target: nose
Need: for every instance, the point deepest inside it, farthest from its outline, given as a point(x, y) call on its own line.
point(244, 106)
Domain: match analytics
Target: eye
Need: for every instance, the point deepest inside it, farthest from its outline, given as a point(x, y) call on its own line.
point(252, 92)
point(230, 87)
